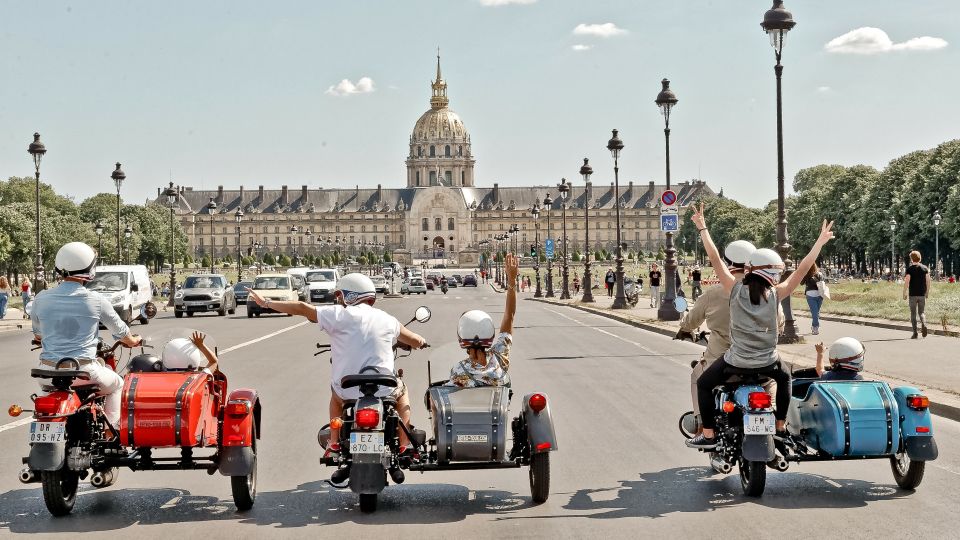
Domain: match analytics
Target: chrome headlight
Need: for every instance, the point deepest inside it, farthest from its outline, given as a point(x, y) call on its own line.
point(217, 294)
point(179, 294)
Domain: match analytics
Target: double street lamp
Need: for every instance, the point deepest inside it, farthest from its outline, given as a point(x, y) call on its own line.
point(257, 246)
point(98, 228)
point(547, 205)
point(173, 197)
point(936, 240)
point(667, 311)
point(585, 171)
point(564, 188)
point(893, 256)
point(238, 215)
point(211, 208)
point(293, 235)
point(777, 21)
point(535, 213)
point(118, 177)
point(615, 145)
point(37, 150)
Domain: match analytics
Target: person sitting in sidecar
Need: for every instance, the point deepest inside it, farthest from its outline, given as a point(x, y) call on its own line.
point(846, 363)
point(488, 351)
point(184, 354)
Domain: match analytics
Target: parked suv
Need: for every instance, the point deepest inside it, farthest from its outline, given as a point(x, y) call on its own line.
point(271, 287)
point(205, 292)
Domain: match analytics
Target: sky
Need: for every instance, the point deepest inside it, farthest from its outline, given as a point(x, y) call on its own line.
point(325, 93)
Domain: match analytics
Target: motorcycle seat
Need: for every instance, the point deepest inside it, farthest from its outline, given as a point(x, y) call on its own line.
point(379, 379)
point(44, 373)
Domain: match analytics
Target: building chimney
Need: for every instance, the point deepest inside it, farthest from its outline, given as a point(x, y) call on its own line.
point(220, 194)
point(303, 194)
point(240, 200)
point(158, 193)
point(283, 196)
point(379, 193)
point(652, 189)
point(496, 194)
point(260, 194)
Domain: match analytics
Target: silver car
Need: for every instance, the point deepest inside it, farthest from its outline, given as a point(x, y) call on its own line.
point(202, 293)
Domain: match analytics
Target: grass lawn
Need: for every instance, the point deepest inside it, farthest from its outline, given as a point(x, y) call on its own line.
point(885, 301)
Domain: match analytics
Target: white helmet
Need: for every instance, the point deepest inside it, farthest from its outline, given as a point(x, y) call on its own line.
point(475, 329)
point(766, 264)
point(738, 252)
point(847, 353)
point(76, 259)
point(355, 288)
point(181, 353)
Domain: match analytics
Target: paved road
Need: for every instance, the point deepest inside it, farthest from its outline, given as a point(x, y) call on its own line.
point(622, 469)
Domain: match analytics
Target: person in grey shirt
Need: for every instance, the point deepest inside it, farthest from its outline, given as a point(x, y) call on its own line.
point(66, 322)
point(753, 324)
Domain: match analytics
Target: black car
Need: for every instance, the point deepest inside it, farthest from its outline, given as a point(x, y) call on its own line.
point(458, 278)
point(469, 280)
point(240, 291)
point(451, 282)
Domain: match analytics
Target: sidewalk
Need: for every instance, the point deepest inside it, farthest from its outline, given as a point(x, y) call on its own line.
point(929, 364)
point(13, 321)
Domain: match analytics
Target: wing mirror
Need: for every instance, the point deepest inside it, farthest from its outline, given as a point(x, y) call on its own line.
point(422, 314)
point(134, 287)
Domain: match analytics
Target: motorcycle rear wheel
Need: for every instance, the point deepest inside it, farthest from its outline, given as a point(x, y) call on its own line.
point(907, 473)
point(368, 502)
point(540, 477)
point(753, 477)
point(244, 488)
point(60, 490)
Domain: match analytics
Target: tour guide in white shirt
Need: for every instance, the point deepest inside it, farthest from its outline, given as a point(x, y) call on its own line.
point(360, 336)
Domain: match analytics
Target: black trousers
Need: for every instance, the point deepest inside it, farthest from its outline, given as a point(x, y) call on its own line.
point(716, 374)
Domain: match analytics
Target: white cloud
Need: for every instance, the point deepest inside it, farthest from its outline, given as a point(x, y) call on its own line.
point(824, 89)
point(580, 47)
point(868, 40)
point(604, 30)
point(345, 88)
point(495, 3)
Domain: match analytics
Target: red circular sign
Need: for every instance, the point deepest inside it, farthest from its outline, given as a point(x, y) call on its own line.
point(669, 197)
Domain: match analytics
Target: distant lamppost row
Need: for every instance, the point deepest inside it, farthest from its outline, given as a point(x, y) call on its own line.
point(585, 171)
point(127, 233)
point(293, 237)
point(893, 256)
point(211, 208)
point(936, 241)
point(257, 246)
point(615, 145)
point(535, 212)
point(547, 206)
point(37, 150)
point(98, 228)
point(118, 178)
point(173, 196)
point(564, 188)
point(666, 99)
point(238, 215)
point(777, 21)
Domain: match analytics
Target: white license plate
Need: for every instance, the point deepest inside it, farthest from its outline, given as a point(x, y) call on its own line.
point(366, 443)
point(759, 424)
point(47, 432)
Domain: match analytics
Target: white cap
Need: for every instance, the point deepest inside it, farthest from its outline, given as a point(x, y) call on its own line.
point(475, 328)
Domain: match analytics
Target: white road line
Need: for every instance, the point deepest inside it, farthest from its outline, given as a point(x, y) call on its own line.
point(25, 421)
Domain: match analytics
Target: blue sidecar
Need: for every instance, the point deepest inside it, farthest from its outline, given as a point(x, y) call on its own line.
point(837, 420)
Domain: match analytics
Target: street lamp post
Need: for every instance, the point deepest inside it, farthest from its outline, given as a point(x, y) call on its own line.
point(118, 178)
point(37, 150)
point(666, 99)
point(936, 241)
point(586, 170)
point(211, 208)
point(293, 233)
point(127, 233)
point(535, 212)
point(615, 145)
point(564, 188)
point(173, 196)
point(893, 256)
point(547, 206)
point(238, 215)
point(256, 248)
point(777, 21)
point(98, 228)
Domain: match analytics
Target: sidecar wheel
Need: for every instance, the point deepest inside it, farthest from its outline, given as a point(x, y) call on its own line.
point(907, 473)
point(60, 490)
point(540, 477)
point(753, 477)
point(368, 502)
point(244, 488)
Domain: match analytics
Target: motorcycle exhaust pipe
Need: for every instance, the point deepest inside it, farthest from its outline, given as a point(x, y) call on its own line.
point(102, 479)
point(779, 463)
point(28, 477)
point(720, 465)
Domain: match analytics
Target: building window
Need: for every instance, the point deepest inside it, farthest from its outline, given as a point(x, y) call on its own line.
point(448, 176)
point(460, 150)
point(425, 224)
point(418, 178)
point(437, 224)
point(450, 226)
point(463, 177)
point(433, 151)
point(363, 228)
point(446, 151)
point(433, 178)
point(420, 151)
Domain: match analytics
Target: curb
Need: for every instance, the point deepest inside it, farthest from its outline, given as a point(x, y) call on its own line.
point(944, 410)
point(879, 324)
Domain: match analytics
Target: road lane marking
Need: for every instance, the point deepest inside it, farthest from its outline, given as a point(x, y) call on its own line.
point(25, 421)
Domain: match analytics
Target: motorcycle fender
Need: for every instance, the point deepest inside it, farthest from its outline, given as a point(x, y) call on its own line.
point(237, 430)
point(236, 460)
point(367, 475)
point(540, 430)
point(921, 448)
point(757, 448)
point(47, 456)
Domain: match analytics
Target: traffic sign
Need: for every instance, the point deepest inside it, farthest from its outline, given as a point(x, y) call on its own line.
point(668, 198)
point(548, 248)
point(669, 222)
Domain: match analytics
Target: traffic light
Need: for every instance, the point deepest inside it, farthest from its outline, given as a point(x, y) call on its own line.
point(533, 250)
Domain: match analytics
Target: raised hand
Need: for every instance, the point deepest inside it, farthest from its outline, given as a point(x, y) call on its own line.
point(197, 339)
point(698, 218)
point(820, 348)
point(512, 267)
point(826, 232)
point(256, 297)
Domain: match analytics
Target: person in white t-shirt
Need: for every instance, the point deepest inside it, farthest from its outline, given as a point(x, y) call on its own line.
point(361, 336)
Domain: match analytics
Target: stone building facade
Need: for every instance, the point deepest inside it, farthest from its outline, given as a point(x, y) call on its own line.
point(440, 213)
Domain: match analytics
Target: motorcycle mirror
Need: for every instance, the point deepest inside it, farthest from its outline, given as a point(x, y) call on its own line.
point(28, 309)
point(680, 303)
point(422, 314)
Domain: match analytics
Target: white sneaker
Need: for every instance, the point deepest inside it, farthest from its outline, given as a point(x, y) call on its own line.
point(815, 331)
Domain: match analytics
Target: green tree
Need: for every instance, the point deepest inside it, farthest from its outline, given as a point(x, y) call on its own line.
point(283, 260)
point(205, 261)
point(386, 257)
point(362, 260)
point(269, 259)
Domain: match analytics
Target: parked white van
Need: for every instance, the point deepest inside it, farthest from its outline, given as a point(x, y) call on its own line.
point(299, 279)
point(322, 283)
point(126, 287)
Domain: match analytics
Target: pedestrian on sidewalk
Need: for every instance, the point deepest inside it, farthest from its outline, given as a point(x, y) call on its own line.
point(696, 278)
point(5, 294)
point(655, 277)
point(610, 280)
point(813, 285)
point(576, 284)
point(916, 282)
point(26, 291)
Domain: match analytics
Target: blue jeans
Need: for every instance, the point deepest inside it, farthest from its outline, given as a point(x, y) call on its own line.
point(815, 302)
point(3, 305)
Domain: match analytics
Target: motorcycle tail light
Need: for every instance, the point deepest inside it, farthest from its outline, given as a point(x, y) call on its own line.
point(238, 408)
point(47, 405)
point(538, 402)
point(729, 407)
point(759, 400)
point(918, 402)
point(543, 446)
point(923, 429)
point(367, 418)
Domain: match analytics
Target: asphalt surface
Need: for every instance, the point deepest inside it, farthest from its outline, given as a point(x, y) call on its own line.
point(616, 393)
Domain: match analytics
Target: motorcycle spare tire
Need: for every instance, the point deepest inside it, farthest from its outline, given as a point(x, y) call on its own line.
point(60, 490)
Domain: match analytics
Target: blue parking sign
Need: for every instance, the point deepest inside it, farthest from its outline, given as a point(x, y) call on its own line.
point(548, 248)
point(669, 222)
